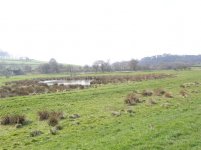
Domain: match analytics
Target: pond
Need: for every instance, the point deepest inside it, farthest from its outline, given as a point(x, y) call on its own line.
point(67, 82)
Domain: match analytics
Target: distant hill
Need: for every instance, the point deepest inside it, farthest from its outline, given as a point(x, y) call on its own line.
point(166, 59)
point(20, 62)
point(8, 60)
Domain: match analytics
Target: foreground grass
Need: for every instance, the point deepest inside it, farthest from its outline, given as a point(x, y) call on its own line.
point(151, 127)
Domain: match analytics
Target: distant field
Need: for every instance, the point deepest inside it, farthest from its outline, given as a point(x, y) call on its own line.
point(196, 68)
point(14, 62)
point(169, 123)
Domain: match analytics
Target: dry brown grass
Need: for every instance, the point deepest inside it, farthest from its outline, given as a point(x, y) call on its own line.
point(31, 87)
point(43, 115)
point(59, 114)
point(183, 93)
point(168, 95)
point(13, 119)
point(132, 99)
point(159, 91)
point(53, 121)
point(151, 102)
point(147, 93)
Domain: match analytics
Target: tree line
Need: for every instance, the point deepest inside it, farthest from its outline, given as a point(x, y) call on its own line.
point(158, 62)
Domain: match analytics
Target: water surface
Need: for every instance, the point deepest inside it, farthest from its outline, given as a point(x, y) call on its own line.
point(67, 82)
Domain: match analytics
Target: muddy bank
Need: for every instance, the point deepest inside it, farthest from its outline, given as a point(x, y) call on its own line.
point(38, 86)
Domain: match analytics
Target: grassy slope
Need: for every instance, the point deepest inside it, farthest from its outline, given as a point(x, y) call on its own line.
point(29, 77)
point(34, 76)
point(152, 127)
point(19, 63)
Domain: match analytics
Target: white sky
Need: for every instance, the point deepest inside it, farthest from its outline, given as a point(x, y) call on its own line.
point(82, 31)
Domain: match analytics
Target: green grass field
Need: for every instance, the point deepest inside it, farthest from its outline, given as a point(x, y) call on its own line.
point(177, 126)
point(20, 62)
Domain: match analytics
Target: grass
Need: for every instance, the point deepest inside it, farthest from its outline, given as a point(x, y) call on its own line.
point(19, 63)
point(150, 127)
point(3, 79)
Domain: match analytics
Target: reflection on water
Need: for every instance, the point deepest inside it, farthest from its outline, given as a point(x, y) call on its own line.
point(67, 82)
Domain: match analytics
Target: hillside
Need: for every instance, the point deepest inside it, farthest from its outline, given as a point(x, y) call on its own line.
point(170, 59)
point(158, 122)
point(8, 61)
point(20, 62)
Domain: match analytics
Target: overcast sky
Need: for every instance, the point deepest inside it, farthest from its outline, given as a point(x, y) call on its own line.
point(82, 31)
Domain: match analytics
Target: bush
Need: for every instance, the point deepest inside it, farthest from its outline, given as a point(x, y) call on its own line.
point(58, 115)
point(132, 99)
point(160, 92)
point(5, 120)
point(53, 121)
point(13, 119)
point(147, 93)
point(43, 115)
point(168, 95)
point(183, 93)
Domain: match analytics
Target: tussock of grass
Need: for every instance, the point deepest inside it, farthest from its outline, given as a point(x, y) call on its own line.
point(151, 102)
point(53, 121)
point(13, 119)
point(45, 115)
point(32, 87)
point(183, 93)
point(160, 91)
point(58, 115)
point(168, 95)
point(147, 93)
point(132, 99)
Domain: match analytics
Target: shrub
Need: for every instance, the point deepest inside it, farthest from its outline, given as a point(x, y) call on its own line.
point(43, 115)
point(13, 119)
point(132, 99)
point(147, 93)
point(168, 95)
point(58, 115)
point(5, 120)
point(53, 121)
point(160, 92)
point(183, 93)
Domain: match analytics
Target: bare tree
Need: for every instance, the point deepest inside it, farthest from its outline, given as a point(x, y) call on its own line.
point(54, 68)
point(133, 64)
point(101, 65)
